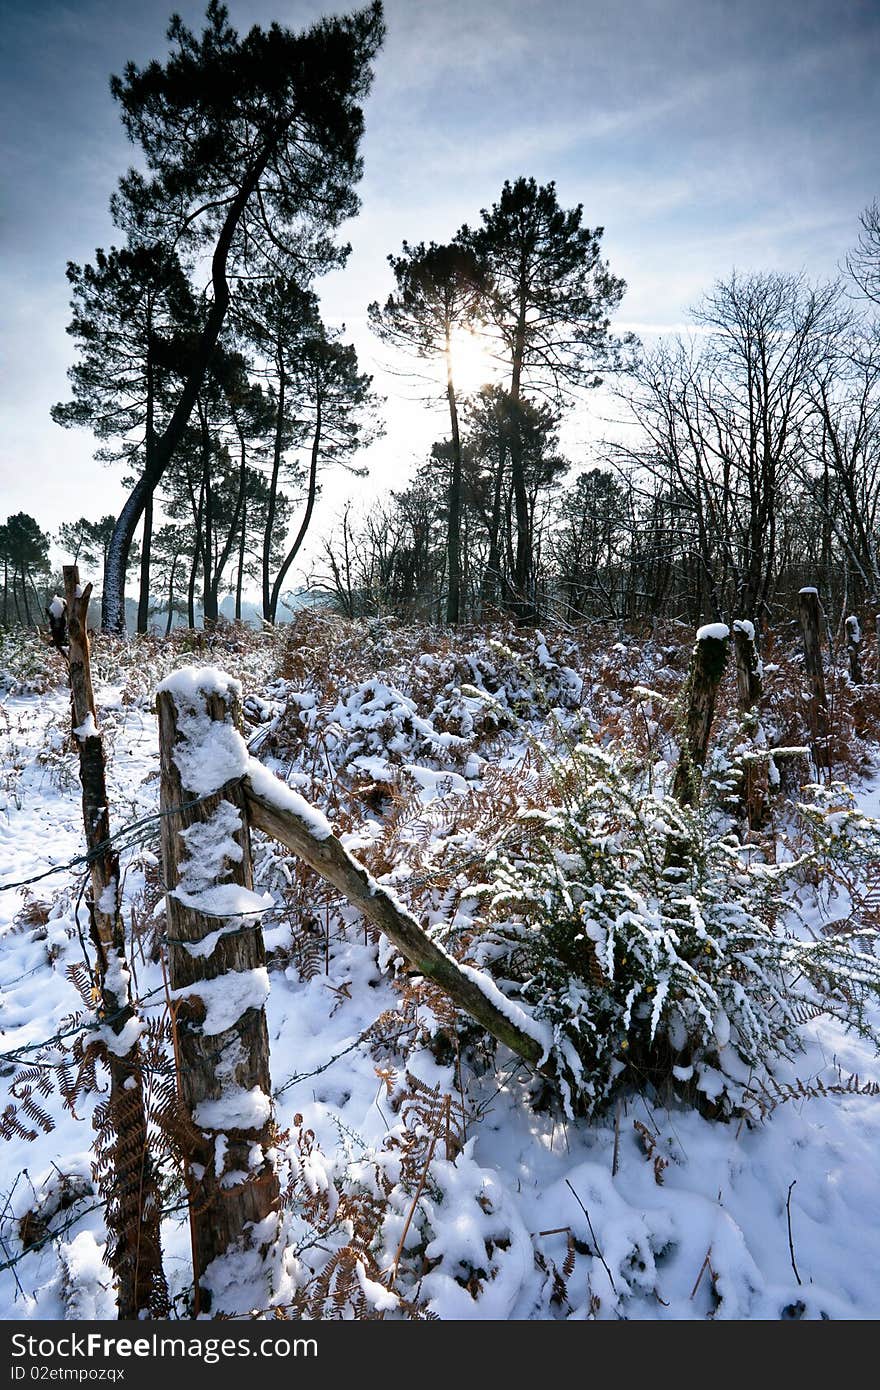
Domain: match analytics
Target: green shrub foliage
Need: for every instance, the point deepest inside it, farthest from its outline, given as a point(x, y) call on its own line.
point(661, 950)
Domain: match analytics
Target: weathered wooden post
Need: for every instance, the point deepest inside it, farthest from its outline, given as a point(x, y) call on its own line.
point(810, 614)
point(854, 649)
point(134, 1209)
point(749, 690)
point(707, 667)
point(217, 966)
point(749, 671)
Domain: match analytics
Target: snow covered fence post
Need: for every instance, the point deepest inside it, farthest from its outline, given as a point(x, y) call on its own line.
point(134, 1207)
point(854, 649)
point(749, 690)
point(810, 614)
point(707, 667)
point(217, 966)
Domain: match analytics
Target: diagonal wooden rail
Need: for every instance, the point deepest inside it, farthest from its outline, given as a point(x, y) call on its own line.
point(281, 813)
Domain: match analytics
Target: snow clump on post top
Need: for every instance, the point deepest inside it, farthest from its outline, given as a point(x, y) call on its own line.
point(715, 632)
point(209, 752)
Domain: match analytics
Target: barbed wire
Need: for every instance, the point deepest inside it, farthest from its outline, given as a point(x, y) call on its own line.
point(118, 835)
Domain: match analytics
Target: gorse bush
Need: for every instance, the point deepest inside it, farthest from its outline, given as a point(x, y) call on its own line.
point(655, 944)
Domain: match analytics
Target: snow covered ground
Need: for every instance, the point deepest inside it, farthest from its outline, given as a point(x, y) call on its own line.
point(653, 1213)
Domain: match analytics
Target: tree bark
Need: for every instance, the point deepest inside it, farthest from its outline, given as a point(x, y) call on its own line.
point(224, 1072)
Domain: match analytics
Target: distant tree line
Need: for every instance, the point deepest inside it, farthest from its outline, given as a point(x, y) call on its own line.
point(744, 461)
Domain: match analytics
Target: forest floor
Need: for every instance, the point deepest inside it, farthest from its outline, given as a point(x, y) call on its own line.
point(651, 1212)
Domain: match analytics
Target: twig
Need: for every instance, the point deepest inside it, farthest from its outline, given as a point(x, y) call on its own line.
point(592, 1233)
point(615, 1158)
point(705, 1265)
point(790, 1242)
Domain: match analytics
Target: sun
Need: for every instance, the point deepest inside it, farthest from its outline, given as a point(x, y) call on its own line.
point(473, 364)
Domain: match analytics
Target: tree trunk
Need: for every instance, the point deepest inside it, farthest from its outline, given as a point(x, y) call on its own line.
point(143, 614)
point(491, 585)
point(113, 601)
point(810, 614)
point(524, 606)
point(239, 582)
point(453, 528)
point(21, 621)
point(273, 493)
point(217, 965)
point(170, 621)
point(307, 517)
point(134, 1209)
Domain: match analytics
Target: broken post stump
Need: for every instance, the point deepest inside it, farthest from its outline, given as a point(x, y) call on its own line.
point(707, 667)
point(219, 983)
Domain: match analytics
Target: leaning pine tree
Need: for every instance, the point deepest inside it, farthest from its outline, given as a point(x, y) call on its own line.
point(272, 194)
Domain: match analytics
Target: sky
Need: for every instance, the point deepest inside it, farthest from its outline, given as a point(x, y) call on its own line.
point(703, 135)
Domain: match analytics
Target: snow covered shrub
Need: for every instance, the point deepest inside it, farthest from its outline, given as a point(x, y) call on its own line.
point(28, 666)
point(653, 944)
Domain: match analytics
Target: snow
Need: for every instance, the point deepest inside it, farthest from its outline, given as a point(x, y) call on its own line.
point(808, 589)
point(87, 1279)
point(210, 752)
point(57, 607)
point(211, 849)
point(87, 729)
point(284, 798)
point(117, 974)
point(227, 997)
point(121, 1043)
point(533, 1027)
point(236, 1109)
point(223, 900)
point(190, 684)
point(108, 901)
point(854, 630)
point(716, 632)
point(519, 1186)
point(746, 627)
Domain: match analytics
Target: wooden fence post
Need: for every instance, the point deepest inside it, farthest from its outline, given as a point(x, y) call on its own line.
point(134, 1206)
point(854, 650)
point(707, 667)
point(217, 966)
point(810, 614)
